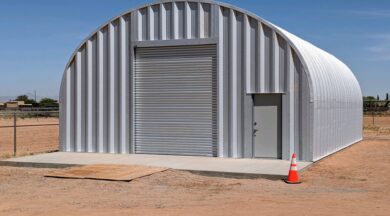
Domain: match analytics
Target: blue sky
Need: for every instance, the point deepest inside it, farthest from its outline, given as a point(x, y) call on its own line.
point(37, 37)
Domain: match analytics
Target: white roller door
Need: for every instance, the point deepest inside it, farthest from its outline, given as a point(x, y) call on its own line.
point(175, 106)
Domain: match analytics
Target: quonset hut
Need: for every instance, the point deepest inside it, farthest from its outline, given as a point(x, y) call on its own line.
point(209, 79)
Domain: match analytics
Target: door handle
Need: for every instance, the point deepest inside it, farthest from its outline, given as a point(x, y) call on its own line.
point(254, 132)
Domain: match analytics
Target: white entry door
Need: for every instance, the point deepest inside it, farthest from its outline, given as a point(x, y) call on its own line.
point(267, 126)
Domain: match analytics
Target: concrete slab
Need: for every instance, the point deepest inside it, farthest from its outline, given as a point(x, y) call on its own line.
point(206, 165)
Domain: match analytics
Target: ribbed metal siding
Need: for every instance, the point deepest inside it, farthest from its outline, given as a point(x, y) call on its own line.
point(334, 103)
point(175, 100)
point(248, 57)
point(94, 94)
point(254, 56)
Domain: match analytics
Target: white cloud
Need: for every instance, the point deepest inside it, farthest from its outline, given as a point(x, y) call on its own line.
point(380, 46)
point(369, 13)
point(377, 49)
point(376, 58)
point(380, 52)
point(380, 36)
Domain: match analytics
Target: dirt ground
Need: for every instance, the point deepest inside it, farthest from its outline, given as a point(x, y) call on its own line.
point(29, 139)
point(376, 127)
point(354, 181)
point(45, 138)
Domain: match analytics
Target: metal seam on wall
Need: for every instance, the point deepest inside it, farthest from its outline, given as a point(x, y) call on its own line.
point(152, 19)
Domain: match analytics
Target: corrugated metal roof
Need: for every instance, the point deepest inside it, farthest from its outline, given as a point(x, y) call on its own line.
point(323, 67)
point(335, 113)
point(316, 61)
point(336, 97)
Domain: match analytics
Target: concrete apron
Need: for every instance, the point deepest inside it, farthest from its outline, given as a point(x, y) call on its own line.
point(226, 167)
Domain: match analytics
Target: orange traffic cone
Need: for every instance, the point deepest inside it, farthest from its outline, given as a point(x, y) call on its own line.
point(293, 173)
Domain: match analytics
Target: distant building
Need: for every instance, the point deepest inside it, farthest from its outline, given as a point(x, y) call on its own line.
point(14, 105)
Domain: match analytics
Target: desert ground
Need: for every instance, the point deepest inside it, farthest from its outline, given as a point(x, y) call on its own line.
point(29, 140)
point(354, 181)
point(376, 127)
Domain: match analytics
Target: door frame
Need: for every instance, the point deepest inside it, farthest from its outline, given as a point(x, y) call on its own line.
point(280, 132)
point(181, 42)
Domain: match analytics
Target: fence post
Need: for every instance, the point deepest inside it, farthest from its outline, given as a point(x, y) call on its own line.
point(14, 134)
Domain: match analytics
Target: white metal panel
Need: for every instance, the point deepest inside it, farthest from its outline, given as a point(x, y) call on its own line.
point(79, 117)
point(113, 86)
point(201, 20)
point(163, 21)
point(140, 25)
point(68, 108)
point(175, 21)
point(247, 63)
point(336, 98)
point(291, 89)
point(220, 85)
point(188, 21)
point(123, 85)
point(333, 92)
point(102, 86)
point(90, 98)
point(233, 70)
point(262, 59)
point(151, 23)
point(276, 69)
point(175, 100)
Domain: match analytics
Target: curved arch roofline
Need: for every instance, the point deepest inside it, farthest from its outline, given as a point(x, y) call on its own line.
point(294, 41)
point(329, 94)
point(277, 29)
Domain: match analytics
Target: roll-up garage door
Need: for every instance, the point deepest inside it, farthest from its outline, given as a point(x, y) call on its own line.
point(175, 100)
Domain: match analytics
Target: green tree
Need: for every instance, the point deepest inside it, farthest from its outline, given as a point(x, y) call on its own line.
point(26, 100)
point(22, 98)
point(369, 98)
point(48, 102)
point(387, 96)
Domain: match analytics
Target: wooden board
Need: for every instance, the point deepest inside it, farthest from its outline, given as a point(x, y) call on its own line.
point(110, 172)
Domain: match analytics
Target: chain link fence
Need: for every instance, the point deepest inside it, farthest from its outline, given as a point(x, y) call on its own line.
point(28, 132)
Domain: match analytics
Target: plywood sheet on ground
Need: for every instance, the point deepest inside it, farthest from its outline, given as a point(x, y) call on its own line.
point(109, 172)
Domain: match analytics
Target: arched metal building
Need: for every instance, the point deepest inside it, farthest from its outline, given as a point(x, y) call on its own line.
point(206, 78)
